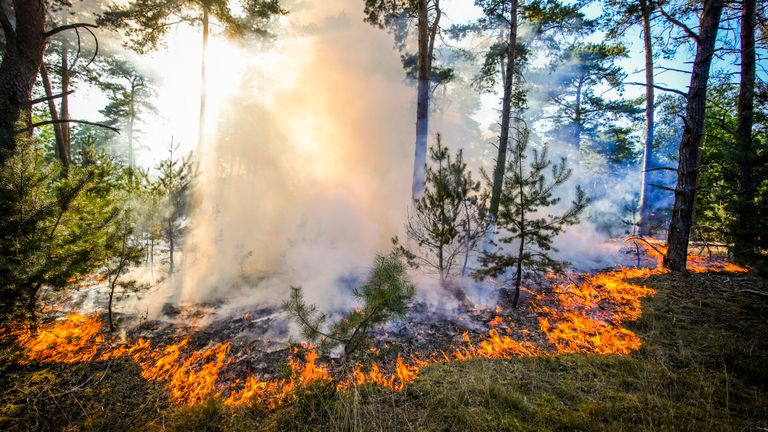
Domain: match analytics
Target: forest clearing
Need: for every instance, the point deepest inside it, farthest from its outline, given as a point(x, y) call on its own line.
point(395, 215)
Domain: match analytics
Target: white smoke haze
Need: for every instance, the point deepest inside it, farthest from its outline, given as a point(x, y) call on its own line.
point(306, 170)
point(305, 176)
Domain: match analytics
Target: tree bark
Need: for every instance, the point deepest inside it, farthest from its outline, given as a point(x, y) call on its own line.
point(745, 212)
point(521, 250)
point(577, 116)
point(645, 189)
point(171, 247)
point(66, 156)
point(23, 56)
point(203, 79)
point(131, 125)
point(506, 113)
point(426, 44)
point(690, 145)
point(54, 113)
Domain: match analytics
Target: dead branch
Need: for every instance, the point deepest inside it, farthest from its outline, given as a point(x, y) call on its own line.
point(662, 88)
point(687, 30)
point(662, 187)
point(46, 99)
point(635, 239)
point(49, 122)
point(63, 28)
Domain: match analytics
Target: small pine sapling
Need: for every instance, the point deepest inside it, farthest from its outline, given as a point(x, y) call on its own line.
point(527, 193)
point(383, 296)
point(447, 221)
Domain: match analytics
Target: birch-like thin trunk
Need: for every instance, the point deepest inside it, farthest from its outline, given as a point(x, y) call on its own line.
point(645, 189)
point(745, 214)
point(690, 145)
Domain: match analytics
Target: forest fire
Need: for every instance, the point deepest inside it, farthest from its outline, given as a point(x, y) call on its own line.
point(573, 317)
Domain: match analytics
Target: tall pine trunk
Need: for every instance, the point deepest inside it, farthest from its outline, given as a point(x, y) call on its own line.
point(745, 215)
point(24, 47)
point(506, 113)
point(426, 41)
point(203, 79)
point(645, 189)
point(690, 145)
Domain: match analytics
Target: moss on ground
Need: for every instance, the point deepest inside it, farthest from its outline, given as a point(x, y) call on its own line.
point(703, 367)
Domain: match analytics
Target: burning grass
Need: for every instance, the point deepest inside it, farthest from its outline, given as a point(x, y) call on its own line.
point(510, 373)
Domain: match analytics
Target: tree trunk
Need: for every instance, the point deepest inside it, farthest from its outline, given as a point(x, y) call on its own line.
point(506, 113)
point(745, 211)
point(203, 80)
point(690, 145)
point(426, 47)
point(170, 248)
point(521, 251)
point(467, 239)
point(66, 157)
point(577, 117)
point(23, 56)
point(109, 307)
point(32, 305)
point(131, 125)
point(645, 189)
point(60, 150)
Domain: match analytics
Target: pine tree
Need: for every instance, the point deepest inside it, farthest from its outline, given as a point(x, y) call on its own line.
point(526, 194)
point(53, 227)
point(384, 295)
point(174, 187)
point(426, 14)
point(129, 93)
point(688, 167)
point(447, 221)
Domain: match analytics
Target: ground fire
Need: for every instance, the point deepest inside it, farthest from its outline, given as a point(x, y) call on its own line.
point(581, 313)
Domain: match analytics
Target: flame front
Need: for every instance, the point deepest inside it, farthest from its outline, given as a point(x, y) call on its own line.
point(576, 317)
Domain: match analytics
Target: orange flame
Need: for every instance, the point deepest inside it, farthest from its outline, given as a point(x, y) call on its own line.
point(583, 317)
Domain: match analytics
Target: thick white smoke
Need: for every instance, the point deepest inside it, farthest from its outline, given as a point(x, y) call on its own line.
point(305, 173)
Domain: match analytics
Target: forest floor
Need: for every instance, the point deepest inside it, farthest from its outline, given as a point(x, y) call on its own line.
point(702, 366)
